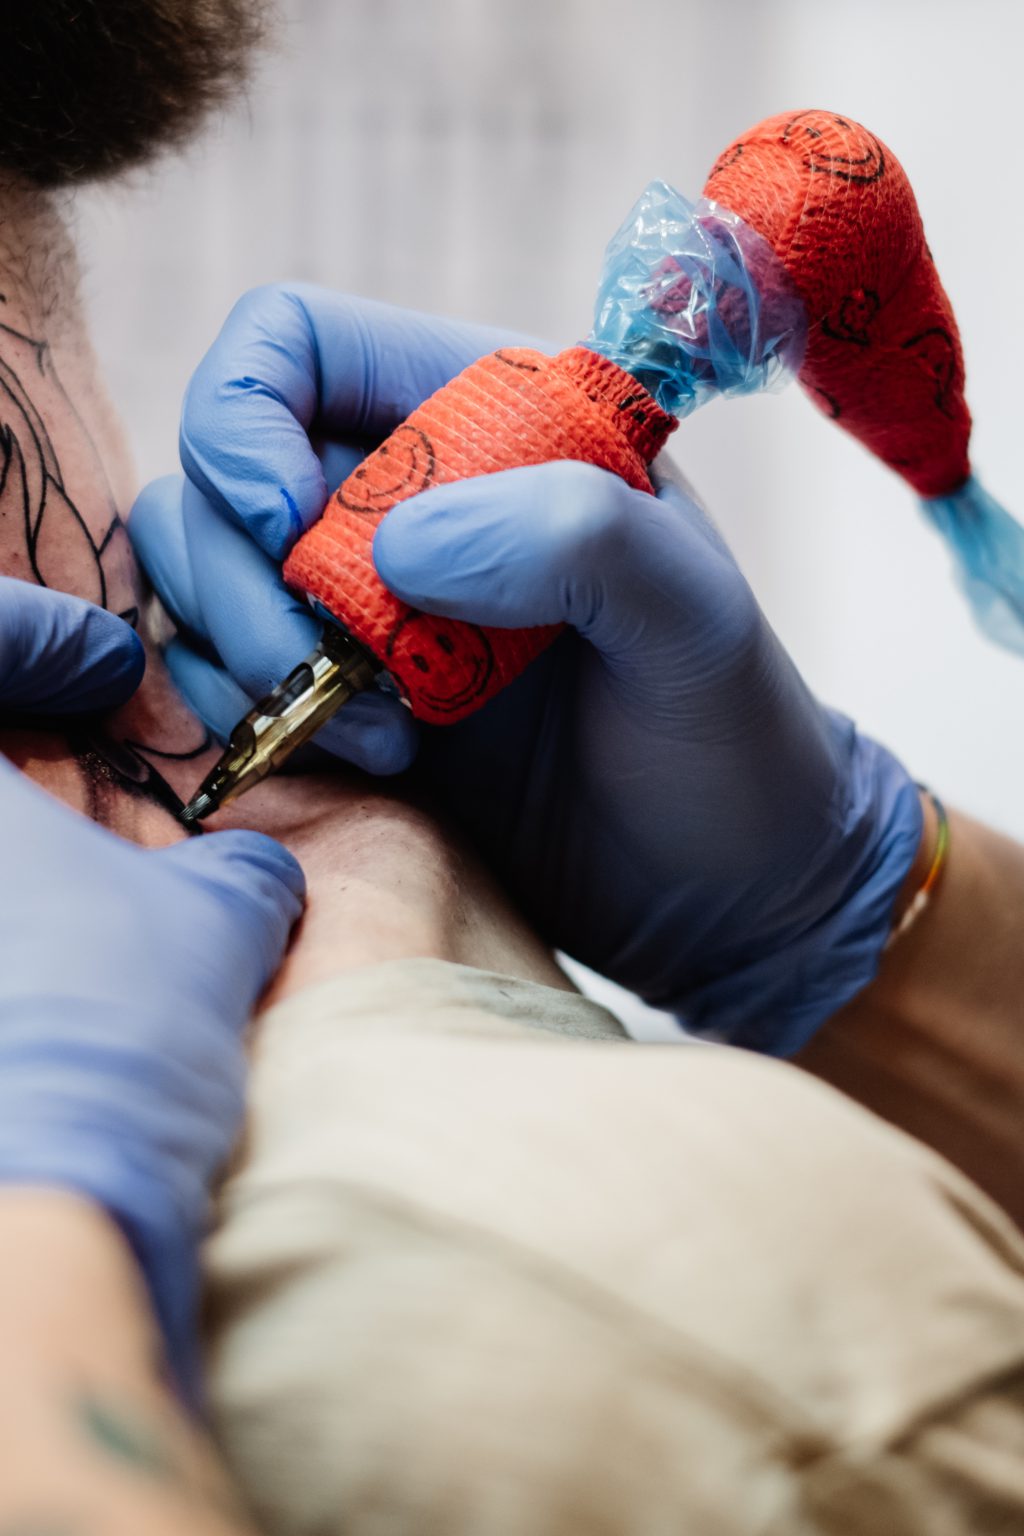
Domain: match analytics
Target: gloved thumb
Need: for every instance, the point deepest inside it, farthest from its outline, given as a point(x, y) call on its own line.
point(62, 655)
point(549, 543)
point(244, 893)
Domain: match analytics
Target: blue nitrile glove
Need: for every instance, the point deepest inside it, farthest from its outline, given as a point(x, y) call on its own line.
point(126, 976)
point(660, 790)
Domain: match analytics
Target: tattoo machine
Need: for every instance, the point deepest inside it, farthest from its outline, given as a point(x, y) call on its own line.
point(806, 255)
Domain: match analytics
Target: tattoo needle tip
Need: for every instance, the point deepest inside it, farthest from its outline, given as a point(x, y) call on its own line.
point(196, 810)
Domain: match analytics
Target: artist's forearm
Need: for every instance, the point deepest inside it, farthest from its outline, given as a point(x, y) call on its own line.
point(936, 1045)
point(91, 1441)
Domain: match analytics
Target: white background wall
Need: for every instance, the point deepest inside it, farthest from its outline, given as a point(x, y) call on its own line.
point(472, 157)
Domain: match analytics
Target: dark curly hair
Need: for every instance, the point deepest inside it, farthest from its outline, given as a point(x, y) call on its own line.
point(89, 88)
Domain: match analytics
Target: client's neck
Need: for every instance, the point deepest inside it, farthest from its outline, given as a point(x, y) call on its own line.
point(66, 486)
point(64, 450)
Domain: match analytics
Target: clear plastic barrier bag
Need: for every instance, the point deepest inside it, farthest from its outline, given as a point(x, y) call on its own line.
point(694, 303)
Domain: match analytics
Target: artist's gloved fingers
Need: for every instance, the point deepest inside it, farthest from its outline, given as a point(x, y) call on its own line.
point(60, 654)
point(375, 733)
point(210, 691)
point(258, 628)
point(562, 542)
point(156, 529)
point(254, 891)
point(338, 460)
point(293, 356)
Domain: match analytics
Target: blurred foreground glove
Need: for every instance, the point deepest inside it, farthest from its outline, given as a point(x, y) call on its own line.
point(660, 791)
point(126, 976)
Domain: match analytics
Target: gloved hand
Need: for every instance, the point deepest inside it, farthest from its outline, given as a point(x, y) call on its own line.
point(126, 976)
point(659, 790)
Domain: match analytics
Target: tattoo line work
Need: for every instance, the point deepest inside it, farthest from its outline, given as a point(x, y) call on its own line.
point(56, 537)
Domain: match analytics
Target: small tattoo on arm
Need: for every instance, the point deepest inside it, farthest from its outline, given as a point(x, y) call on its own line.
point(126, 1441)
point(137, 1447)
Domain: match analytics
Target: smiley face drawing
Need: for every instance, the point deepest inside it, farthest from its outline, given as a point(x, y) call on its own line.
point(851, 321)
point(401, 467)
point(832, 146)
point(726, 158)
point(444, 665)
point(935, 351)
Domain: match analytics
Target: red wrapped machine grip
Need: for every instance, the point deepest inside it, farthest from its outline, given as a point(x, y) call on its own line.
point(511, 408)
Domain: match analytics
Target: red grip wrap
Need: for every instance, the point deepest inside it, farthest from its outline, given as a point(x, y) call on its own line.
point(511, 408)
point(883, 354)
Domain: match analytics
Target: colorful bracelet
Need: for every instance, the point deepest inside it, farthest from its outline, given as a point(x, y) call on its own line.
point(931, 880)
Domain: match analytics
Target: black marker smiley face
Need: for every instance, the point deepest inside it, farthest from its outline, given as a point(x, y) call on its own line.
point(401, 467)
point(443, 663)
point(935, 350)
point(851, 155)
point(526, 364)
point(726, 158)
point(851, 321)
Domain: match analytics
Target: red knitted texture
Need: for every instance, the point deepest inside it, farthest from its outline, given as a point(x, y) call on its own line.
point(883, 354)
point(512, 408)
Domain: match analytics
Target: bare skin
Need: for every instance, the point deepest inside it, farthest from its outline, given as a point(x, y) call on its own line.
point(936, 1045)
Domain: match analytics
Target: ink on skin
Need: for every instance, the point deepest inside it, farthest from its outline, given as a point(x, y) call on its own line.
point(109, 767)
point(140, 1448)
point(34, 496)
point(124, 1441)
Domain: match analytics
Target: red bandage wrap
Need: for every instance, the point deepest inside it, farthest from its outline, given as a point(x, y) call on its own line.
point(883, 352)
point(512, 408)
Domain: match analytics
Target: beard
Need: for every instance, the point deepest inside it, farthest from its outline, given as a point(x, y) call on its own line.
point(90, 88)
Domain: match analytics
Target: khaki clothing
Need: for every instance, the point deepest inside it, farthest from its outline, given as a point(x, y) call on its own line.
point(487, 1268)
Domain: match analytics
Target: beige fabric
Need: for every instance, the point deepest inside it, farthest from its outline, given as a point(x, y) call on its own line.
point(490, 1269)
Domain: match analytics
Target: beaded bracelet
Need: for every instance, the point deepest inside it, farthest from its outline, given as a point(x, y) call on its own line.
point(931, 880)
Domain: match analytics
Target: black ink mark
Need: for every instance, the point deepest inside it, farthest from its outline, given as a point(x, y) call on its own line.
point(174, 757)
point(864, 163)
point(58, 545)
point(936, 351)
point(108, 765)
point(726, 158)
point(400, 467)
point(829, 402)
point(56, 534)
point(417, 637)
point(852, 320)
point(639, 415)
point(516, 362)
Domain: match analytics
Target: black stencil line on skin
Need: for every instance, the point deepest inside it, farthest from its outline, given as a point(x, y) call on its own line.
point(105, 765)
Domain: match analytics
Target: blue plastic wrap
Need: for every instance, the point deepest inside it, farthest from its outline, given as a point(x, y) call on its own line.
point(988, 552)
point(694, 303)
